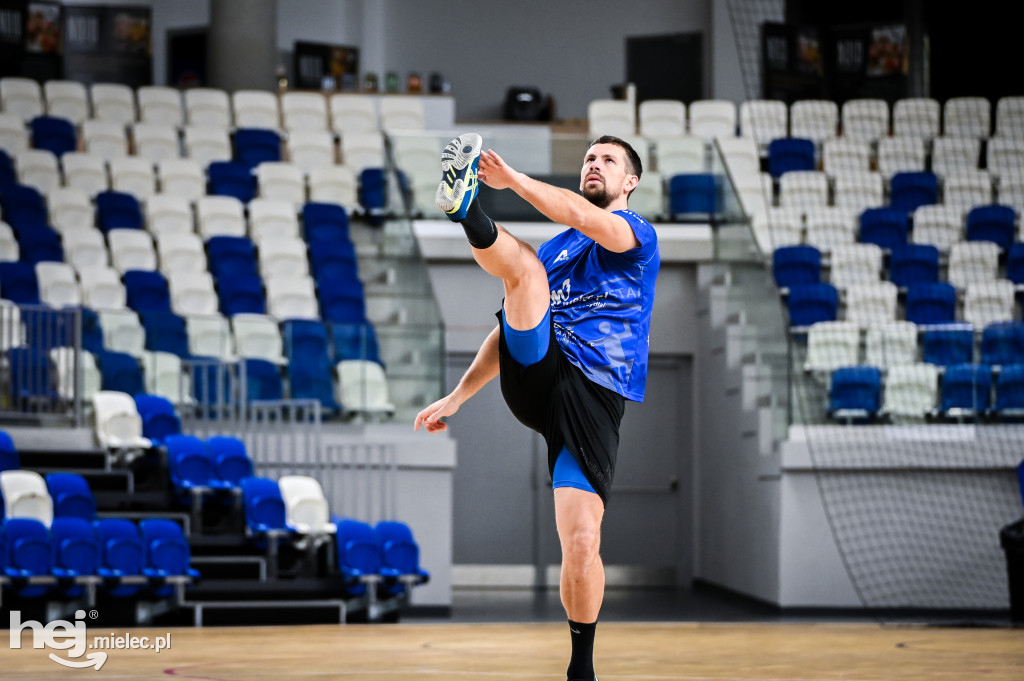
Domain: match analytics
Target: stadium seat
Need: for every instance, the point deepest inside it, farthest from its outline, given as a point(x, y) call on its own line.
point(105, 140)
point(803, 189)
point(22, 97)
point(21, 204)
point(133, 176)
point(941, 226)
point(123, 556)
point(310, 382)
point(159, 418)
point(272, 218)
point(831, 345)
point(352, 114)
point(890, 344)
point(841, 156)
point(131, 249)
point(160, 104)
point(281, 182)
point(180, 252)
point(873, 303)
point(262, 380)
point(209, 336)
point(121, 372)
point(967, 117)
point(1002, 343)
point(986, 302)
point(858, 191)
point(102, 288)
point(885, 227)
point(992, 223)
point(362, 389)
point(341, 299)
point(914, 264)
point(866, 119)
point(118, 425)
point(265, 516)
point(911, 390)
point(306, 506)
point(283, 257)
point(292, 298)
point(54, 134)
point(916, 117)
point(156, 142)
point(400, 555)
point(25, 496)
point(678, 155)
point(192, 293)
point(192, 471)
point(9, 457)
point(231, 178)
point(794, 265)
point(324, 222)
point(909, 190)
point(85, 249)
point(164, 377)
point(901, 155)
point(692, 193)
point(814, 119)
point(147, 291)
point(14, 137)
point(256, 109)
point(76, 557)
point(810, 303)
point(38, 168)
point(967, 189)
point(71, 496)
point(231, 463)
point(611, 117)
point(258, 336)
point(28, 557)
point(310, 149)
point(231, 256)
point(241, 294)
point(1015, 263)
point(401, 113)
point(113, 102)
point(787, 154)
point(254, 146)
point(948, 344)
point(305, 342)
point(168, 556)
point(304, 111)
point(954, 155)
point(359, 557)
point(207, 107)
point(1010, 391)
point(31, 383)
point(168, 214)
point(354, 341)
point(931, 302)
point(18, 283)
point(764, 120)
point(966, 390)
point(206, 144)
point(711, 118)
point(373, 193)
point(855, 393)
point(117, 210)
point(40, 244)
point(855, 263)
point(182, 177)
point(334, 185)
point(220, 216)
point(972, 261)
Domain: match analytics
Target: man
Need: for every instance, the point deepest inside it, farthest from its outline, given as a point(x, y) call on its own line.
point(572, 341)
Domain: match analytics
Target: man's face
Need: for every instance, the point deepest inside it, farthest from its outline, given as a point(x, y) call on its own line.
point(604, 176)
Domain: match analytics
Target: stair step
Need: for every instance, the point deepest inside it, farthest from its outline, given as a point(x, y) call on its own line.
point(257, 612)
point(62, 459)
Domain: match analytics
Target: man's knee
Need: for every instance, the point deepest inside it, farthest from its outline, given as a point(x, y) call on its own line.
point(581, 541)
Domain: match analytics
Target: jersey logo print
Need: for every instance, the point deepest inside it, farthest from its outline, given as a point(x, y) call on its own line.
point(561, 295)
point(564, 255)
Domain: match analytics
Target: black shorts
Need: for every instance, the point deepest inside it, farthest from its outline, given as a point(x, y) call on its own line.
point(555, 399)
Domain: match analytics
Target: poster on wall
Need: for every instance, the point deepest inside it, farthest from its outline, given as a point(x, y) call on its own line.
point(320, 66)
point(792, 61)
point(30, 39)
point(108, 44)
point(12, 31)
point(869, 62)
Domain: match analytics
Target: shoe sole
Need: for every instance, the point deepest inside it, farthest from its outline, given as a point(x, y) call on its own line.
point(456, 157)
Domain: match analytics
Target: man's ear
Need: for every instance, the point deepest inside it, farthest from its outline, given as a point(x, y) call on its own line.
point(631, 182)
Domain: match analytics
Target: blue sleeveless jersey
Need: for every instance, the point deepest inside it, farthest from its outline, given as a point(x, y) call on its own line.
point(601, 304)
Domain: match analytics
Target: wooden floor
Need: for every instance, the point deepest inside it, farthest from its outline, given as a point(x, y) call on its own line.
point(528, 652)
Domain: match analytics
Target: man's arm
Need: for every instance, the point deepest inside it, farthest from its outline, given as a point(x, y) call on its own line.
point(480, 372)
point(560, 205)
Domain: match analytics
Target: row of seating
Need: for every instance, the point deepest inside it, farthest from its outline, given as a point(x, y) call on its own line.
point(835, 344)
point(960, 391)
point(206, 106)
point(765, 120)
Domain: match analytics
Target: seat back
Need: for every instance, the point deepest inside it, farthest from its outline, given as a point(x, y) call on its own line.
point(231, 462)
point(75, 545)
point(966, 389)
point(25, 496)
point(189, 461)
point(264, 506)
point(855, 389)
point(948, 344)
point(71, 496)
point(306, 504)
point(165, 546)
point(121, 545)
point(29, 546)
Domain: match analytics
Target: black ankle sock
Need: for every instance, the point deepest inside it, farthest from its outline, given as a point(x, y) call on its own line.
point(581, 665)
point(480, 229)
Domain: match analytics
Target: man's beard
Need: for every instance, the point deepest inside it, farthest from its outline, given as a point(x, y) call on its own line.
point(599, 196)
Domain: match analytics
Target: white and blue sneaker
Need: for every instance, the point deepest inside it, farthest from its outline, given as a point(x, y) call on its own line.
point(459, 183)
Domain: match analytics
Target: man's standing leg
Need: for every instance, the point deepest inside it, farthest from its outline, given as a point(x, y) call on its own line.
point(578, 517)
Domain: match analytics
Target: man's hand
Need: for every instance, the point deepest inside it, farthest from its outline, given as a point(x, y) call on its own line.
point(431, 416)
point(494, 172)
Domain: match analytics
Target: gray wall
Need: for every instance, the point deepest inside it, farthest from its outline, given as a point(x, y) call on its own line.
point(572, 50)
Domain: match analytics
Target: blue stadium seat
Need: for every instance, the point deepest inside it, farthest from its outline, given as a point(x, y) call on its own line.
point(76, 554)
point(166, 549)
point(909, 191)
point(1002, 343)
point(790, 153)
point(147, 291)
point(54, 134)
point(10, 460)
point(46, 328)
point(229, 178)
point(264, 506)
point(1010, 391)
point(931, 303)
point(855, 393)
point(692, 193)
point(211, 382)
point(1015, 263)
point(230, 256)
point(22, 206)
point(8, 176)
point(32, 378)
point(373, 196)
point(231, 463)
point(192, 470)
point(885, 227)
point(28, 557)
point(121, 372)
point(992, 223)
point(966, 390)
point(359, 555)
point(948, 344)
point(307, 382)
point(239, 293)
point(159, 418)
point(122, 556)
point(40, 243)
point(253, 146)
point(305, 342)
point(795, 265)
point(92, 331)
point(333, 259)
point(810, 303)
point(912, 264)
point(400, 556)
point(341, 299)
point(324, 222)
point(354, 341)
point(165, 332)
point(263, 380)
point(117, 210)
point(71, 495)
point(18, 283)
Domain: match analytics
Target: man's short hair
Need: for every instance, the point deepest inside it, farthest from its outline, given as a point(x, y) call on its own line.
point(635, 167)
